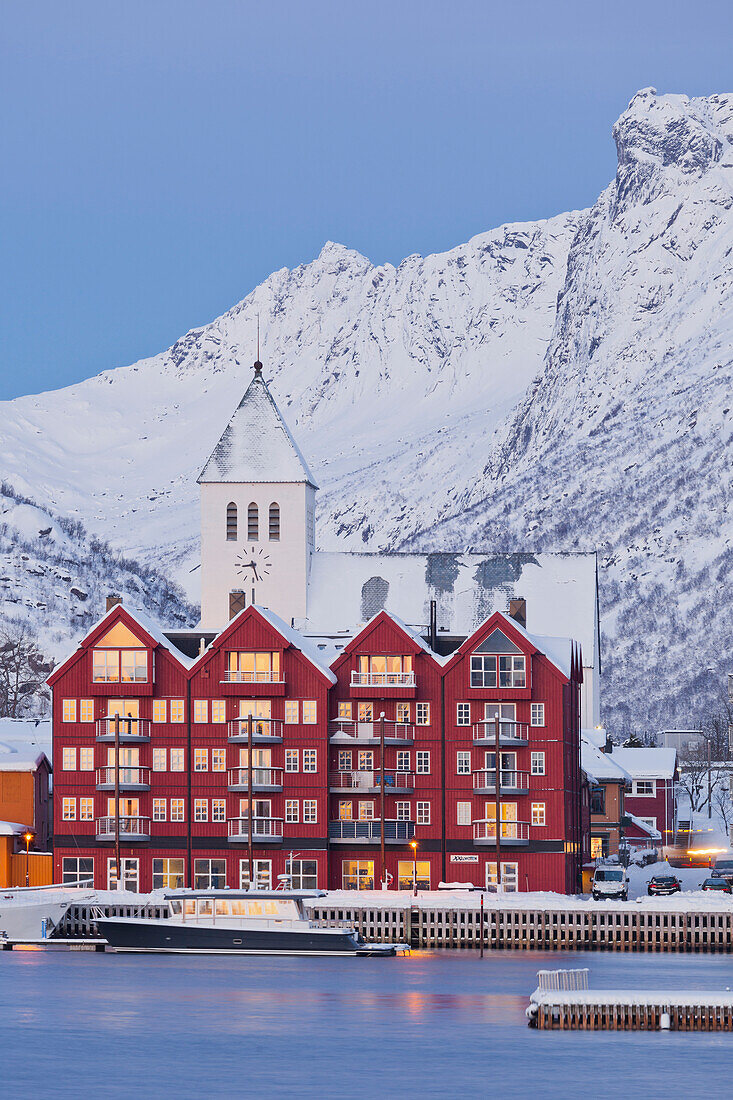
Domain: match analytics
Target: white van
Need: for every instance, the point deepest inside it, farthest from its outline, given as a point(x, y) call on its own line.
point(610, 881)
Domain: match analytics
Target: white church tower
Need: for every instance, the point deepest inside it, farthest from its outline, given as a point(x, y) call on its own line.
point(257, 515)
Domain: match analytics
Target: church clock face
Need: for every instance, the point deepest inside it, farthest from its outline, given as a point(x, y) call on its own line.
point(253, 563)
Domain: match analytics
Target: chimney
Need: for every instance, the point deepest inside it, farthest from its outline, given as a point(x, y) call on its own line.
point(202, 645)
point(518, 610)
point(112, 601)
point(608, 747)
point(433, 624)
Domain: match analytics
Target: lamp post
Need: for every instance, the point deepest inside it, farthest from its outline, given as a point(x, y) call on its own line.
point(413, 845)
point(27, 837)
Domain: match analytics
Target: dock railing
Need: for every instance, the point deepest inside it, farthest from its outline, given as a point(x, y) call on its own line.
point(557, 981)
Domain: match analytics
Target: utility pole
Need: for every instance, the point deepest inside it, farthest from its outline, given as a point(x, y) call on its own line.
point(710, 785)
point(117, 802)
point(250, 845)
point(497, 762)
point(381, 789)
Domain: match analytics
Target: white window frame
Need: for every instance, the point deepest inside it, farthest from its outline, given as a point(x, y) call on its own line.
point(537, 714)
point(160, 760)
point(292, 712)
point(422, 757)
point(86, 759)
point(310, 712)
point(292, 811)
point(310, 811)
point(464, 813)
point(422, 714)
point(218, 809)
point(175, 755)
point(539, 814)
point(263, 873)
point(177, 805)
point(160, 809)
point(310, 760)
point(463, 714)
point(463, 763)
point(200, 760)
point(403, 811)
point(68, 759)
point(637, 783)
point(218, 760)
point(201, 809)
point(422, 815)
point(403, 760)
point(68, 809)
point(292, 760)
point(537, 762)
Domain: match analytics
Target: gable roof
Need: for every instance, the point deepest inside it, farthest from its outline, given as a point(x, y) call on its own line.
point(560, 652)
point(256, 445)
point(386, 616)
point(603, 766)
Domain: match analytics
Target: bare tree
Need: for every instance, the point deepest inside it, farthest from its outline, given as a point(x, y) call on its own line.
point(722, 803)
point(23, 672)
point(694, 769)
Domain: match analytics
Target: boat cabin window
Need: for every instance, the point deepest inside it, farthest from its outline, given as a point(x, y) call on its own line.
point(189, 907)
point(206, 907)
point(176, 908)
point(222, 907)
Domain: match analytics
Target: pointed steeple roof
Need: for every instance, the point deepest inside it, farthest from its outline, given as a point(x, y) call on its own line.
point(256, 445)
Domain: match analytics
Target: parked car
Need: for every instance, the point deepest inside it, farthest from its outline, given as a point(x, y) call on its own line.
point(723, 869)
point(663, 884)
point(610, 882)
point(716, 884)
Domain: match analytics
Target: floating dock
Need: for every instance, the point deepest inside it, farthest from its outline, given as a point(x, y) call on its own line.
point(563, 1002)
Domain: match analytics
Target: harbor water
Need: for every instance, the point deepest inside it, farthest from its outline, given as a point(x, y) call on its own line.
point(437, 1024)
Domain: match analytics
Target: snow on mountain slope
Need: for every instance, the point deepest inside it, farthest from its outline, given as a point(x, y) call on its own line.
point(624, 442)
point(371, 366)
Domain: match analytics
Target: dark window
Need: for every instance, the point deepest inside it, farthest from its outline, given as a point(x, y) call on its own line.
point(598, 800)
point(231, 523)
point(253, 526)
point(209, 874)
point(274, 523)
point(77, 869)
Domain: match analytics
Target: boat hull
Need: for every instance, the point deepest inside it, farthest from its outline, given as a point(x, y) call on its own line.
point(24, 919)
point(129, 934)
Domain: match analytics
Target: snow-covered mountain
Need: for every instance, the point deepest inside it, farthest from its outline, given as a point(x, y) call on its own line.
point(553, 385)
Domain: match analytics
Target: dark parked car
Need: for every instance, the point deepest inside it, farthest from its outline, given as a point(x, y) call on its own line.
point(716, 884)
point(664, 884)
point(723, 869)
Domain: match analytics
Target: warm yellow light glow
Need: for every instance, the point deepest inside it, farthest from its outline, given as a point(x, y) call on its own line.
point(413, 844)
point(705, 851)
point(28, 837)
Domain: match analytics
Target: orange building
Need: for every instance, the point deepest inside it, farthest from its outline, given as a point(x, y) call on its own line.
point(25, 809)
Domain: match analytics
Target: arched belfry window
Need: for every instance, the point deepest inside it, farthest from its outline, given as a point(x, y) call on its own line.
point(253, 526)
point(274, 523)
point(231, 523)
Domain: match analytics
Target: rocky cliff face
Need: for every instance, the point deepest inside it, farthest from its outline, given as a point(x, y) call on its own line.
point(556, 385)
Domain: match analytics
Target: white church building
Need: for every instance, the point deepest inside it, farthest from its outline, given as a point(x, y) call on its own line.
point(258, 546)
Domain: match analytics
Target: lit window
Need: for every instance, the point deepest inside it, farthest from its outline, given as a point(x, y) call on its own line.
point(218, 710)
point(422, 765)
point(538, 813)
point(263, 874)
point(69, 809)
point(200, 760)
point(201, 809)
point(463, 763)
point(376, 670)
point(309, 711)
point(218, 760)
point(509, 877)
point(159, 710)
point(68, 760)
point(177, 760)
point(538, 763)
point(310, 811)
point(176, 710)
point(134, 666)
point(68, 710)
point(403, 811)
point(463, 813)
point(253, 667)
point(538, 714)
point(366, 811)
point(87, 710)
point(291, 712)
point(168, 874)
point(463, 714)
point(253, 529)
point(344, 759)
point(177, 809)
point(422, 714)
point(310, 760)
point(159, 809)
point(403, 713)
point(423, 813)
point(291, 760)
point(292, 809)
point(365, 712)
point(86, 760)
point(344, 711)
point(274, 523)
point(345, 811)
point(218, 809)
point(366, 760)
point(159, 760)
point(231, 522)
point(403, 760)
point(106, 666)
point(86, 809)
point(201, 710)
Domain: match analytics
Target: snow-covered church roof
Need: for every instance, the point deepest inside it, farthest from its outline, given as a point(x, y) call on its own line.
point(256, 445)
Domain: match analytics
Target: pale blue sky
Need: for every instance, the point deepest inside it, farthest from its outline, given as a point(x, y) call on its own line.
point(161, 157)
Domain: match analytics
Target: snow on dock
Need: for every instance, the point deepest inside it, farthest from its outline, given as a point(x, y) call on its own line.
point(563, 1001)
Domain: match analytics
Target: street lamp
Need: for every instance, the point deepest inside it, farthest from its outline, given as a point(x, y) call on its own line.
point(27, 837)
point(413, 845)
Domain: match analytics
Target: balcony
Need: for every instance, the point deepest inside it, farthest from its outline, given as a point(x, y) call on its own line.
point(369, 832)
point(131, 779)
point(131, 828)
point(263, 829)
point(512, 781)
point(511, 734)
point(265, 731)
point(369, 782)
point(513, 833)
point(344, 731)
point(254, 683)
point(132, 730)
point(263, 779)
point(383, 679)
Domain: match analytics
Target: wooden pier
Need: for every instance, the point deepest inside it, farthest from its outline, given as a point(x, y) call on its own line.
point(569, 1005)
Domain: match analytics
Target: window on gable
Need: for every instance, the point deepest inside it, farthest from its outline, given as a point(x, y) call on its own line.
point(231, 522)
point(274, 523)
point(253, 523)
point(503, 671)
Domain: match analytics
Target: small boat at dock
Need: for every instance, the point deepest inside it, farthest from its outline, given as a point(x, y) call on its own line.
point(31, 913)
point(235, 922)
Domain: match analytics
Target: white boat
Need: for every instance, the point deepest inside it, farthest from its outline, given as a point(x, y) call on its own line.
point(31, 913)
point(255, 922)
